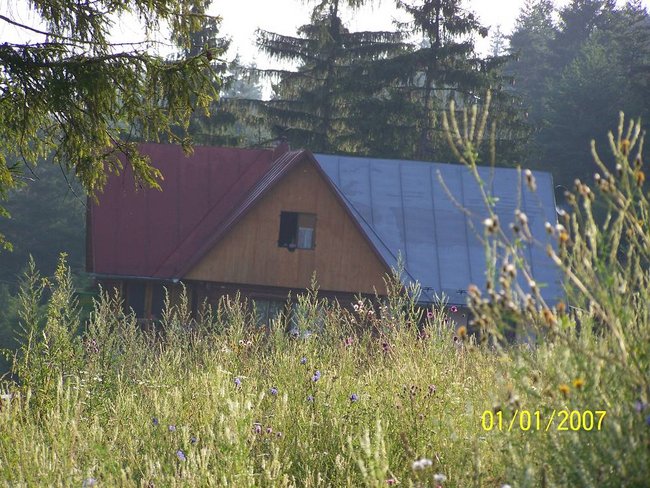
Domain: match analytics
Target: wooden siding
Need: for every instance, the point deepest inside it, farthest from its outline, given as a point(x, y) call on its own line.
point(249, 254)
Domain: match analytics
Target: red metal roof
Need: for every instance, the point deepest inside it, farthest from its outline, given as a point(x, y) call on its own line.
point(151, 233)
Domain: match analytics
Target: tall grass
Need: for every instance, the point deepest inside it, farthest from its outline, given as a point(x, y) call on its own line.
point(371, 397)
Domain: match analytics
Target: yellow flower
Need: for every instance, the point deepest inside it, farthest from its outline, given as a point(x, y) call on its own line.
point(625, 146)
point(564, 389)
point(578, 383)
point(639, 176)
point(462, 332)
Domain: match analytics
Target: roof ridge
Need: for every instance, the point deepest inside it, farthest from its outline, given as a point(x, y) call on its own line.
point(191, 234)
point(281, 164)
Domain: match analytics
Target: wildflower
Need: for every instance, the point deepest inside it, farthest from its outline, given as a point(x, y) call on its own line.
point(511, 270)
point(429, 316)
point(155, 421)
point(237, 382)
point(522, 217)
point(625, 146)
point(462, 332)
point(639, 176)
point(257, 428)
point(530, 180)
point(171, 428)
point(391, 481)
point(316, 376)
point(310, 399)
point(349, 341)
point(578, 383)
point(563, 237)
point(421, 464)
point(491, 224)
point(278, 434)
point(432, 389)
point(193, 440)
point(453, 309)
point(532, 285)
point(549, 318)
point(273, 391)
point(564, 389)
point(269, 430)
point(354, 397)
point(439, 478)
point(303, 360)
point(640, 406)
point(88, 482)
point(506, 486)
point(180, 455)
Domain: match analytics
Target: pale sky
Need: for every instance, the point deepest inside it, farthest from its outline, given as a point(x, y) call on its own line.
point(242, 17)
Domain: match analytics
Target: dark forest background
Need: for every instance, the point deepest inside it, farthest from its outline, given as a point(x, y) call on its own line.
point(557, 81)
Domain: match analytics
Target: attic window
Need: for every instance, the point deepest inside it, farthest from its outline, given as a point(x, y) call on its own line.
point(297, 230)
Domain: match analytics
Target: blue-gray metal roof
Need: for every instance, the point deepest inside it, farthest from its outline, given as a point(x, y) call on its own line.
point(404, 210)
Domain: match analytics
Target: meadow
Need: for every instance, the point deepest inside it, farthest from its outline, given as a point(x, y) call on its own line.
point(385, 394)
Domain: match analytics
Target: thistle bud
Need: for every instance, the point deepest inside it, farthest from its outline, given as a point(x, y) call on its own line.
point(530, 180)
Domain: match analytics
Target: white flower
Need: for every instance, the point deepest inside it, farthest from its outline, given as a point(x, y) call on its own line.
point(422, 464)
point(506, 486)
point(440, 478)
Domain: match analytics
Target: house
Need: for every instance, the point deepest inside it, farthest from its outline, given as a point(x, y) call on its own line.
point(263, 221)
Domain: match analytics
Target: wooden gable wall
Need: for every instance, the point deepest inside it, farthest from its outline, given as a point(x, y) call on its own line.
point(249, 254)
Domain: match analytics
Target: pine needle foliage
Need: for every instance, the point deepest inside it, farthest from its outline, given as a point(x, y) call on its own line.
point(82, 98)
point(312, 106)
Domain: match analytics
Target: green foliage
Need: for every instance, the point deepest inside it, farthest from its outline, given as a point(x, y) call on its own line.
point(314, 106)
point(590, 353)
point(80, 97)
point(575, 75)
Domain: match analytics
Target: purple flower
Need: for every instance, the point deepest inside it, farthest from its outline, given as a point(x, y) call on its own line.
point(180, 455)
point(155, 421)
point(640, 406)
point(237, 382)
point(88, 482)
point(172, 428)
point(310, 398)
point(453, 309)
point(429, 316)
point(354, 397)
point(273, 391)
point(303, 360)
point(193, 440)
point(349, 341)
point(316, 376)
point(257, 428)
point(269, 430)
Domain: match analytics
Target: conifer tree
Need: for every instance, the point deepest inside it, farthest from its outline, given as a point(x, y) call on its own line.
point(75, 94)
point(442, 67)
point(314, 105)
